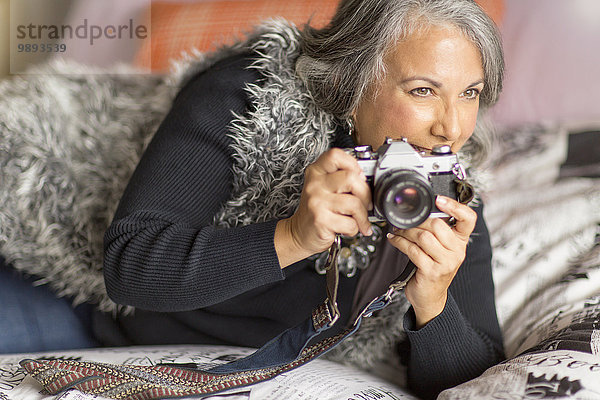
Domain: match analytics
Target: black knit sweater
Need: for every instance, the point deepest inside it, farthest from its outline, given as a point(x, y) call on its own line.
point(193, 283)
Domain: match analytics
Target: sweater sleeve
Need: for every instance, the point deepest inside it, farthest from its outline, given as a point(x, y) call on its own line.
point(465, 339)
point(161, 252)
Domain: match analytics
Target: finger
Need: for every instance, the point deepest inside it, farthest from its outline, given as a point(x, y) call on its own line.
point(427, 241)
point(427, 266)
point(343, 224)
point(412, 250)
point(337, 159)
point(464, 215)
point(330, 223)
point(350, 182)
point(441, 230)
point(351, 205)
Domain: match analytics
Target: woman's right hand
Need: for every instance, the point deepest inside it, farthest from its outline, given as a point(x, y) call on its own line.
point(335, 199)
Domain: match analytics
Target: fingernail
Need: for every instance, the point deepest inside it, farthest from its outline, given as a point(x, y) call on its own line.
point(369, 231)
point(363, 176)
point(370, 208)
point(441, 200)
point(389, 236)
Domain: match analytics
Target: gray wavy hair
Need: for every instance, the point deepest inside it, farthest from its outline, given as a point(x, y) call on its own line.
point(340, 62)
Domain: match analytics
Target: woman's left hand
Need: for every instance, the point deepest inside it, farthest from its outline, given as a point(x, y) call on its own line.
point(438, 250)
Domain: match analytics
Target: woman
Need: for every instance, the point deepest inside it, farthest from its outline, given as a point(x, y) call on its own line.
point(243, 183)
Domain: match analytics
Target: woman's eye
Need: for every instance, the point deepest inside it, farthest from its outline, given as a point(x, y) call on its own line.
point(471, 93)
point(423, 91)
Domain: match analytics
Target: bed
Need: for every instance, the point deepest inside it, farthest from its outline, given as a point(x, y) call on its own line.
point(542, 209)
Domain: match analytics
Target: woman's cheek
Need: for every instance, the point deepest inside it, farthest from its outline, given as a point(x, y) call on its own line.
point(403, 120)
point(469, 122)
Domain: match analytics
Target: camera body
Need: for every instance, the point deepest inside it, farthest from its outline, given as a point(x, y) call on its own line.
point(405, 180)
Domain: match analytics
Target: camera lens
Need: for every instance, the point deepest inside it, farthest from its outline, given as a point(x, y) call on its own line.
point(407, 200)
point(404, 198)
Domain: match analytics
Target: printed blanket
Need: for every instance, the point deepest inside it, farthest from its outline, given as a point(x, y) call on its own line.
point(545, 234)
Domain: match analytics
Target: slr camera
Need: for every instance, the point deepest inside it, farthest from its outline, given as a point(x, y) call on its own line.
point(405, 180)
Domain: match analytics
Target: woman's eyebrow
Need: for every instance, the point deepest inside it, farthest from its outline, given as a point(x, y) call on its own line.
point(423, 78)
point(477, 82)
point(436, 83)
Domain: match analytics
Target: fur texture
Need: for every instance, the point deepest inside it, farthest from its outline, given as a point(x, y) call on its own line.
point(68, 144)
point(274, 143)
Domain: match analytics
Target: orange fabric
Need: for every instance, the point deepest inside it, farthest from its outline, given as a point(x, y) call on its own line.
point(179, 27)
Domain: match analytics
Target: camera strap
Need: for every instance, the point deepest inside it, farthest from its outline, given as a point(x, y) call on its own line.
point(464, 190)
point(291, 349)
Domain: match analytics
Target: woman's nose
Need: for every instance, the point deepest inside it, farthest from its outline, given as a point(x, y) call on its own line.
point(447, 124)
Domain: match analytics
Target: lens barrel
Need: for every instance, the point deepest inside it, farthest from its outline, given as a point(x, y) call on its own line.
point(404, 198)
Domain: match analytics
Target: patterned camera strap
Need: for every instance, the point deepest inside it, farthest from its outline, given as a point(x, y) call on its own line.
point(285, 352)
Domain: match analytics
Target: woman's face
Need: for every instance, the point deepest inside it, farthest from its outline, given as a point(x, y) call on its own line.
point(430, 94)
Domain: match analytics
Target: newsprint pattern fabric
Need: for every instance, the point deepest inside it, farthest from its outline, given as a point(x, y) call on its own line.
point(317, 380)
point(152, 382)
point(546, 237)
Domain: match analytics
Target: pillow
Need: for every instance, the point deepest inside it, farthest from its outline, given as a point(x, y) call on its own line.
point(545, 235)
point(180, 27)
point(545, 375)
point(552, 62)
